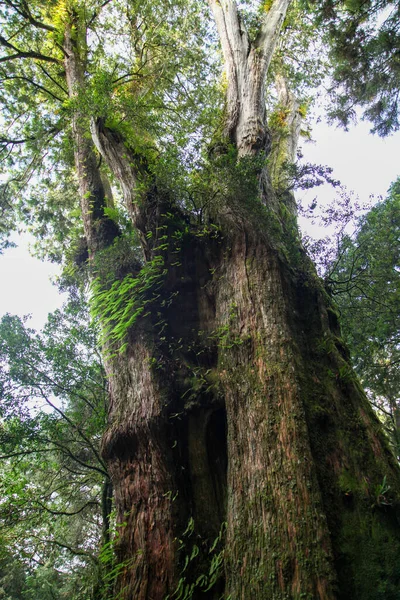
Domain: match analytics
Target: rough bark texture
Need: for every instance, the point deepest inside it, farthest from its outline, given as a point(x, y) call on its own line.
point(304, 454)
point(246, 65)
point(245, 410)
point(246, 462)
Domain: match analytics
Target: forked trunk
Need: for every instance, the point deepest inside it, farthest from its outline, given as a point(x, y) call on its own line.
point(246, 462)
point(246, 65)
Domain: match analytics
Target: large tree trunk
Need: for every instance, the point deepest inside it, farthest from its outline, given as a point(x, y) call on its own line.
point(234, 402)
point(306, 457)
point(246, 462)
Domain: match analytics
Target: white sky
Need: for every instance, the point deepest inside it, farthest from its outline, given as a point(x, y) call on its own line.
point(25, 284)
point(362, 162)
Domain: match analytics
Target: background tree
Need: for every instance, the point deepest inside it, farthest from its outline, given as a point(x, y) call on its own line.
point(242, 416)
point(365, 279)
point(364, 38)
point(56, 493)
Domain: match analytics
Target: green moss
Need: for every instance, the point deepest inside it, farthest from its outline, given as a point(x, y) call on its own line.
point(347, 482)
point(369, 557)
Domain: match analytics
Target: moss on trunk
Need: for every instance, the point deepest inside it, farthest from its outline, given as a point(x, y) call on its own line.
point(241, 407)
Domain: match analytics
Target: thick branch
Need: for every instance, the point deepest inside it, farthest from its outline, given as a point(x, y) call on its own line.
point(25, 12)
point(24, 54)
point(75, 458)
point(76, 427)
point(246, 69)
point(98, 11)
point(235, 45)
point(74, 551)
point(270, 30)
point(52, 79)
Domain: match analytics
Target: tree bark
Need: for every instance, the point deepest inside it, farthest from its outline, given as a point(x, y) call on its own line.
point(246, 65)
point(260, 432)
point(136, 445)
point(305, 452)
point(233, 405)
point(285, 139)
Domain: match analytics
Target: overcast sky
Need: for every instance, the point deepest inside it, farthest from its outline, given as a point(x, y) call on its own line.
point(362, 162)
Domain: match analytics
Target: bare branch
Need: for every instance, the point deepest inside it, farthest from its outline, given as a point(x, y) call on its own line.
point(98, 11)
point(52, 79)
point(65, 513)
point(34, 84)
point(25, 12)
point(74, 551)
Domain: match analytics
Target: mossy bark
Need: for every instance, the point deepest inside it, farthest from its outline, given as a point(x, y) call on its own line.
point(298, 428)
point(246, 462)
point(235, 402)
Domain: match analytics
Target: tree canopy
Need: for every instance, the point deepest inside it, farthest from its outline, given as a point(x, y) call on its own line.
point(56, 496)
point(365, 46)
point(152, 70)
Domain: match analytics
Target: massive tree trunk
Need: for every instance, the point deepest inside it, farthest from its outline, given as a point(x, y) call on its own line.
point(245, 459)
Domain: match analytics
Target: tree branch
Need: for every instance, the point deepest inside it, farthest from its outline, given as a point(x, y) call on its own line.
point(25, 12)
point(98, 11)
point(52, 79)
point(65, 513)
point(25, 54)
point(36, 85)
point(75, 458)
point(270, 29)
point(67, 547)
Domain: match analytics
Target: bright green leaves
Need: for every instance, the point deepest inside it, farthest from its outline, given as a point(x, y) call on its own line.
point(32, 95)
point(118, 301)
point(119, 307)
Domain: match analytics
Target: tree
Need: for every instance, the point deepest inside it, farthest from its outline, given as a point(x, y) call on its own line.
point(245, 459)
point(365, 43)
point(55, 489)
point(364, 276)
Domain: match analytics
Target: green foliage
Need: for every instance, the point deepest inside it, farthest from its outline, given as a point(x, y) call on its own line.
point(150, 72)
point(365, 279)
point(53, 407)
point(117, 302)
point(365, 45)
point(119, 307)
point(144, 75)
point(208, 569)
